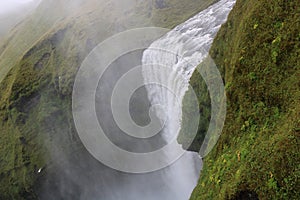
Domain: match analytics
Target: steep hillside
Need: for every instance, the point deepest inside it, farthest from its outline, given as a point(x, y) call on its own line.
point(38, 64)
point(257, 156)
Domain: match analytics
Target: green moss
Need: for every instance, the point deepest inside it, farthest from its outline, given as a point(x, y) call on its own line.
point(257, 155)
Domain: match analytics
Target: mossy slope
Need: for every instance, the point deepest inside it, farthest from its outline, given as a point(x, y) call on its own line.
point(257, 156)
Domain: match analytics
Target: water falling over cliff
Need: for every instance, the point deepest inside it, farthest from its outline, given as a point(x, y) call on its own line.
point(179, 51)
point(169, 62)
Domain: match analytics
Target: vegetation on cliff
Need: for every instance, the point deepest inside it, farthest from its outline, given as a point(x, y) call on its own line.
point(257, 155)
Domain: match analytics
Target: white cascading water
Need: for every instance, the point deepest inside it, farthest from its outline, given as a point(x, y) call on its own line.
point(179, 52)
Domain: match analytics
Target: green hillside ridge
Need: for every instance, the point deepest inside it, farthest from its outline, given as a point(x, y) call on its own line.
point(257, 155)
point(41, 57)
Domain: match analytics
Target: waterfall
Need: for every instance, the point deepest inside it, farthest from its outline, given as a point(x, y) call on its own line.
point(169, 62)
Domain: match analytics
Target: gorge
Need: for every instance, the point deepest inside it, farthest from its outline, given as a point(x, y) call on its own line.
point(254, 45)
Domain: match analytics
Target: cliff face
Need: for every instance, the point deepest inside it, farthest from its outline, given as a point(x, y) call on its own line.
point(42, 56)
point(257, 155)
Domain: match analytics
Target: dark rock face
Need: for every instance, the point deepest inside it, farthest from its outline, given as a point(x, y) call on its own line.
point(246, 195)
point(160, 4)
point(42, 62)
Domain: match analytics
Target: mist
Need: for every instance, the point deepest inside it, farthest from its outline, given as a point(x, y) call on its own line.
point(14, 11)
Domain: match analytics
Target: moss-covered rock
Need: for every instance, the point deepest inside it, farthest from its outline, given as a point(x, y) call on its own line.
point(257, 155)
